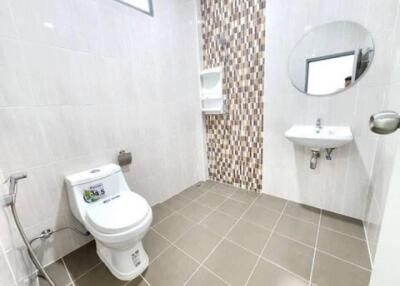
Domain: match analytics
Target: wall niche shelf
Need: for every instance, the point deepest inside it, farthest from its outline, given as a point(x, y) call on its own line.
point(212, 99)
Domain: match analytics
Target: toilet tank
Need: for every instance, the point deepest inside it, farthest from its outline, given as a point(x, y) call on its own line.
point(93, 186)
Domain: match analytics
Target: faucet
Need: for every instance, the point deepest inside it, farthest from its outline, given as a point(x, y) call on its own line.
point(318, 125)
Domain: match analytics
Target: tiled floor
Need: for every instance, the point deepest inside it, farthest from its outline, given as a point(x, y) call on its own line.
point(214, 234)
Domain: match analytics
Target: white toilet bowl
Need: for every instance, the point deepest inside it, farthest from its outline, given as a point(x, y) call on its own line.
point(117, 218)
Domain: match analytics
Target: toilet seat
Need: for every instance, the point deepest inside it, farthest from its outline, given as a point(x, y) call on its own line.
point(118, 213)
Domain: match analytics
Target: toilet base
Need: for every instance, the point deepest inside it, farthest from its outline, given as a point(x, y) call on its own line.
point(125, 264)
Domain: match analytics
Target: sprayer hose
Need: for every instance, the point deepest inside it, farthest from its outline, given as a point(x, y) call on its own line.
point(35, 260)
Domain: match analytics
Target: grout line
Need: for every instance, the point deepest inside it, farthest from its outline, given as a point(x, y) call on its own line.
point(187, 254)
point(85, 273)
point(219, 243)
point(68, 273)
point(342, 233)
point(324, 227)
point(315, 248)
point(264, 258)
point(144, 279)
point(140, 275)
point(164, 250)
point(368, 247)
point(8, 264)
point(300, 219)
point(172, 243)
point(345, 261)
point(295, 240)
point(284, 269)
point(266, 243)
point(242, 247)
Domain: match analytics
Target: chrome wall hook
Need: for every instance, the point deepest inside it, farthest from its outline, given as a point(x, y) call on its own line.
point(384, 122)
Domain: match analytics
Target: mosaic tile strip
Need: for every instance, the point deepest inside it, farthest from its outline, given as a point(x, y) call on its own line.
point(233, 34)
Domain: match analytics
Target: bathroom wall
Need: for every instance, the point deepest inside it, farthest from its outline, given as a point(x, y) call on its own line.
point(233, 36)
point(81, 80)
point(389, 239)
point(15, 268)
point(340, 185)
point(388, 146)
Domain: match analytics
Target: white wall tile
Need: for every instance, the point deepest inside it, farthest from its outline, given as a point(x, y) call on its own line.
point(6, 276)
point(23, 141)
point(340, 185)
point(81, 80)
point(7, 28)
point(14, 81)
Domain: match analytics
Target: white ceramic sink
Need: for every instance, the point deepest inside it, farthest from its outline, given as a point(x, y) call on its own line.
point(326, 137)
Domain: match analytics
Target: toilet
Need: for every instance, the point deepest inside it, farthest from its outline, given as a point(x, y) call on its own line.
point(117, 217)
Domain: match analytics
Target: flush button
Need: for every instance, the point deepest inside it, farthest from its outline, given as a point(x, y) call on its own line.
point(94, 171)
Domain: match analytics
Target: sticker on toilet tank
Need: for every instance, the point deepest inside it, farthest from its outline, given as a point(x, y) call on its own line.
point(136, 258)
point(94, 193)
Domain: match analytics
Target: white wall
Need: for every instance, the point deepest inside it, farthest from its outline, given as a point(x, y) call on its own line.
point(383, 171)
point(387, 254)
point(81, 80)
point(340, 185)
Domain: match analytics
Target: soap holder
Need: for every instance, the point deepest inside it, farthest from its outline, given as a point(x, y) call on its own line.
point(212, 98)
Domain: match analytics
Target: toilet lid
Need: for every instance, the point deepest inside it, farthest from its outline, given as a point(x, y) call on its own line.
point(118, 213)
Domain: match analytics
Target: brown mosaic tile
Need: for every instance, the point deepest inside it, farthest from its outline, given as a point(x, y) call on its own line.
point(233, 35)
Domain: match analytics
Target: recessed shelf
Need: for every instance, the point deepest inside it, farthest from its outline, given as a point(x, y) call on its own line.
point(212, 99)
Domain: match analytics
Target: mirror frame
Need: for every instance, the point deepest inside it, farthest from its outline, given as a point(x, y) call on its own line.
point(151, 8)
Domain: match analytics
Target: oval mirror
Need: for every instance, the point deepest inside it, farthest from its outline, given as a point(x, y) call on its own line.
point(331, 58)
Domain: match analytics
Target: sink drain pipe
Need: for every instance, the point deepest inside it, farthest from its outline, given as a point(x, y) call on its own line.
point(314, 159)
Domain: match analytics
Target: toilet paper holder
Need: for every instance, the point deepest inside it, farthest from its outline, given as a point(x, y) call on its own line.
point(124, 158)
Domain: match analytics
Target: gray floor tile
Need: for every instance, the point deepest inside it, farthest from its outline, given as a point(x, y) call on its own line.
point(345, 247)
point(267, 274)
point(284, 261)
point(298, 230)
point(224, 190)
point(329, 271)
point(195, 211)
point(249, 236)
point(261, 216)
point(203, 277)
point(245, 196)
point(219, 223)
point(193, 192)
point(154, 244)
point(343, 224)
point(291, 255)
point(176, 203)
point(82, 259)
point(159, 213)
point(58, 273)
point(139, 281)
point(271, 202)
point(231, 263)
point(233, 208)
point(99, 276)
point(198, 242)
point(172, 268)
point(207, 185)
point(210, 200)
point(173, 226)
point(303, 212)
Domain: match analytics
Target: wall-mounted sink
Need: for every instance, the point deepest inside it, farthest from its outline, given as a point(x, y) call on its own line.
point(318, 137)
